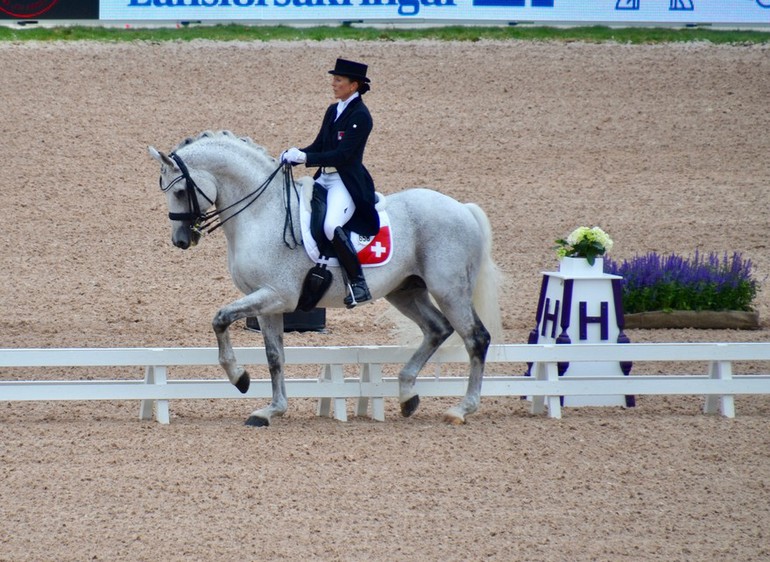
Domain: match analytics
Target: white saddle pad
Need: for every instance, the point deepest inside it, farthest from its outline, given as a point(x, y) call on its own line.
point(373, 251)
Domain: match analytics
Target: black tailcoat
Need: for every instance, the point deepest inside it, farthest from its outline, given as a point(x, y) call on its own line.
point(340, 144)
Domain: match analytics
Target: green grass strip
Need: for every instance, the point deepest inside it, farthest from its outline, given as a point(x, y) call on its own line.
point(236, 32)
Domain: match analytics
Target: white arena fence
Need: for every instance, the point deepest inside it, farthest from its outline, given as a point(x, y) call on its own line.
point(718, 384)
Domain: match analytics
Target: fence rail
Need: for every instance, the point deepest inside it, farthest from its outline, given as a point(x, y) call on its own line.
point(718, 384)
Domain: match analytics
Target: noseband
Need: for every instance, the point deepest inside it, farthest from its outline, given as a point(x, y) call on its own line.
point(201, 222)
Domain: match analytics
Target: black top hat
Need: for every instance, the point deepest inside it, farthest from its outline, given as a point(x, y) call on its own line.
point(350, 69)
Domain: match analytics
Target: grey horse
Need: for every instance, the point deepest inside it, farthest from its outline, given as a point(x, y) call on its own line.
point(439, 276)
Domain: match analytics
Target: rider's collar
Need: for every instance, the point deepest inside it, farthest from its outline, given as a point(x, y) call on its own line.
point(341, 105)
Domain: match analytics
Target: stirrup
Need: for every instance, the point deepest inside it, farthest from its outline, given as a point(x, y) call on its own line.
point(351, 301)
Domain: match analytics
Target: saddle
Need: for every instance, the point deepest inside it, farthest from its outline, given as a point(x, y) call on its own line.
point(372, 250)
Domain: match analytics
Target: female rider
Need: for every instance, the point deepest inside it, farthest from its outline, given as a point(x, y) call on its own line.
point(338, 152)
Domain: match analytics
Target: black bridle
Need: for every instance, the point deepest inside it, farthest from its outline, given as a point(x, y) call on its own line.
point(206, 223)
point(194, 215)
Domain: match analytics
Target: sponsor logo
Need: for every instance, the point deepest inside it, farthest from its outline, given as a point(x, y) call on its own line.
point(405, 7)
point(514, 3)
point(673, 5)
point(221, 9)
point(26, 8)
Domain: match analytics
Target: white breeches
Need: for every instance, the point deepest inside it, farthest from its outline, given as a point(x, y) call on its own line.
point(339, 203)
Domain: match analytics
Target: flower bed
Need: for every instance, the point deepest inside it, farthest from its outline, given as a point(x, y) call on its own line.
point(706, 291)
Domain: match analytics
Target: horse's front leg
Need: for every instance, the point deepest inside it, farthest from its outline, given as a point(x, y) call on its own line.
point(268, 305)
point(272, 332)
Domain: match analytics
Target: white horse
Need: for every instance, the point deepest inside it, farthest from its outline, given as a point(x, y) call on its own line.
point(443, 251)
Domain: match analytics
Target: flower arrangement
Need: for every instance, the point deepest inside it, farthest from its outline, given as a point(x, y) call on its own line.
point(584, 242)
point(664, 283)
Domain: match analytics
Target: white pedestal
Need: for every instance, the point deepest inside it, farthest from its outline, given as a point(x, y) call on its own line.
point(581, 304)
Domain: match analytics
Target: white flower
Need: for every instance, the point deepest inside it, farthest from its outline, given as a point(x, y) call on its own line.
point(584, 242)
point(577, 235)
point(601, 237)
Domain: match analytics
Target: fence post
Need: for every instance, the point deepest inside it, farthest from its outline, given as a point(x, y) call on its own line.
point(332, 374)
point(546, 371)
point(154, 374)
point(371, 373)
point(722, 370)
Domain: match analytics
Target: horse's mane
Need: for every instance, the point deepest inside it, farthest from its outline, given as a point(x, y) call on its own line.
point(223, 135)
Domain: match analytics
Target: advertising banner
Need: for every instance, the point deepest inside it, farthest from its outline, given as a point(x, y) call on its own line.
point(49, 9)
point(744, 12)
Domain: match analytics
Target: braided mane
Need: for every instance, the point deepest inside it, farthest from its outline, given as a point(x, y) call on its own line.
point(223, 134)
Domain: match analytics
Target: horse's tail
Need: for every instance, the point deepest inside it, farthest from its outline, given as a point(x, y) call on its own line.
point(485, 294)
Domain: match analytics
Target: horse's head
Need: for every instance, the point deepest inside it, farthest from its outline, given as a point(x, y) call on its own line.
point(189, 193)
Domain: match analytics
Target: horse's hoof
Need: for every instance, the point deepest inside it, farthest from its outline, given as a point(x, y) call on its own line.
point(453, 419)
point(256, 421)
point(410, 406)
point(243, 383)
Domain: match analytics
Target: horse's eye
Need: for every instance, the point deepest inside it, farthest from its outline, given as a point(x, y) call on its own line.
point(180, 194)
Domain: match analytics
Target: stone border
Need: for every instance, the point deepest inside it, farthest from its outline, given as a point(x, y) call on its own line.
point(701, 319)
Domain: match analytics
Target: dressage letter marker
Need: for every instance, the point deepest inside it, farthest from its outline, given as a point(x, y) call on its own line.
point(586, 304)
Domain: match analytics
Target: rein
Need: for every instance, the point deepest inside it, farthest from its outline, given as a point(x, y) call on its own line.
point(206, 223)
point(288, 222)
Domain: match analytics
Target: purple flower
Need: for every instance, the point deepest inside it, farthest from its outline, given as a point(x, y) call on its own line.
point(672, 282)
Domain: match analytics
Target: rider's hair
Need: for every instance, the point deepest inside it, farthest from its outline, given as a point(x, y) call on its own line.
point(363, 87)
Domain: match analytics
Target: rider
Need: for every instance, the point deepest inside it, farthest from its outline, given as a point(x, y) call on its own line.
point(338, 151)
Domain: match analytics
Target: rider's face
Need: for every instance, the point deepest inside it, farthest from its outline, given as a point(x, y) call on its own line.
point(343, 87)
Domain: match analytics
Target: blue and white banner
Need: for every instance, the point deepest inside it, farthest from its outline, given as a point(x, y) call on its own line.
point(578, 11)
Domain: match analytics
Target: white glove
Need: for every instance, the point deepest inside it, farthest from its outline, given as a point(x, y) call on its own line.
point(293, 156)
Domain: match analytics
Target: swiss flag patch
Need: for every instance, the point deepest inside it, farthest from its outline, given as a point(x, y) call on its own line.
point(376, 250)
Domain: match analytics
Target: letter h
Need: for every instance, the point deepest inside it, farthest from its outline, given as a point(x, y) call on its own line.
point(603, 320)
point(548, 317)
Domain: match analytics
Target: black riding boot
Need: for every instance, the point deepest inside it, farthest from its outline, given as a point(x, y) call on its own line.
point(358, 292)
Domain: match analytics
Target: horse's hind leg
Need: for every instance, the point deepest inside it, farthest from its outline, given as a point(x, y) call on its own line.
point(476, 338)
point(415, 304)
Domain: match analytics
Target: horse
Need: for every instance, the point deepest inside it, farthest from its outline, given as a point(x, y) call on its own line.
point(442, 260)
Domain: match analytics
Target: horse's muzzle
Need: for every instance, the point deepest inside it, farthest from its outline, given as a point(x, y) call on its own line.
point(185, 237)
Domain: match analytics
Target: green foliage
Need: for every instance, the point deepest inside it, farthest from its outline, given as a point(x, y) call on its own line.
point(237, 32)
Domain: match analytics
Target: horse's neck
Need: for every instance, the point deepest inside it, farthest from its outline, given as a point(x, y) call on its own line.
point(235, 184)
point(241, 191)
point(238, 174)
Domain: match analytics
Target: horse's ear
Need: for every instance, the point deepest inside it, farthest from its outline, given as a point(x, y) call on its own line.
point(160, 156)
